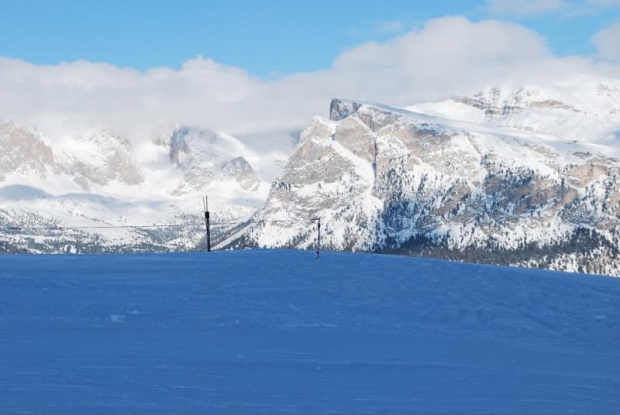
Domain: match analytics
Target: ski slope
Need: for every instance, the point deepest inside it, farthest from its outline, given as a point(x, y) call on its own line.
point(269, 332)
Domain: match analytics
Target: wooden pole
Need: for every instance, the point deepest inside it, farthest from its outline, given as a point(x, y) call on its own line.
point(318, 237)
point(207, 223)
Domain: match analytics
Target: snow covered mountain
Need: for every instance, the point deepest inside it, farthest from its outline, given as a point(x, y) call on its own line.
point(579, 109)
point(83, 192)
point(522, 176)
point(516, 174)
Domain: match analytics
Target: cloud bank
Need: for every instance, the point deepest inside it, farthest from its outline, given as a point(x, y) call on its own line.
point(448, 56)
point(608, 43)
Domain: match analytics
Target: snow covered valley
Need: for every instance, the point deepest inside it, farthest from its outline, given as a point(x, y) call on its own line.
point(266, 332)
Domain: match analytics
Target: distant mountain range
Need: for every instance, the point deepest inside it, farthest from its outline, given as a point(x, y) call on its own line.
point(524, 175)
point(83, 192)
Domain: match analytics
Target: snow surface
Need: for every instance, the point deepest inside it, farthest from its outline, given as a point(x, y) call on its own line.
point(580, 109)
point(265, 332)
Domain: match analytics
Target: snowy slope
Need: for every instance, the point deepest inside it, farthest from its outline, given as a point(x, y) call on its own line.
point(264, 332)
point(582, 109)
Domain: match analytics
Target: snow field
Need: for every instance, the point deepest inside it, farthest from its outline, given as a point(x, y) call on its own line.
point(267, 332)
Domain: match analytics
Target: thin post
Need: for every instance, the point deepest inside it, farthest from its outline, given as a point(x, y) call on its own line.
point(318, 245)
point(207, 222)
point(318, 237)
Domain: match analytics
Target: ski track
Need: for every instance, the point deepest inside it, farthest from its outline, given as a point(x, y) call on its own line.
point(266, 332)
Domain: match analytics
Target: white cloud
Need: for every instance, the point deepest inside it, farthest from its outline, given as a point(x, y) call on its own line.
point(448, 56)
point(608, 43)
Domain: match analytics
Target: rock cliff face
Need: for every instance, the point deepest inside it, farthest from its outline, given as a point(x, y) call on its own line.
point(101, 158)
point(24, 150)
point(389, 180)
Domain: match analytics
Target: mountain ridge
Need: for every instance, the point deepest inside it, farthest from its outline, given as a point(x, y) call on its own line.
point(386, 179)
point(82, 184)
point(492, 177)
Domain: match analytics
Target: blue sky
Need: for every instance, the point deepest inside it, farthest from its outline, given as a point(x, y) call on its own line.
point(269, 38)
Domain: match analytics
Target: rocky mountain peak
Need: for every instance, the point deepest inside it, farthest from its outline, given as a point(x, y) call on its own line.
point(241, 171)
point(388, 180)
point(186, 140)
point(24, 149)
point(340, 109)
point(100, 157)
point(206, 157)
